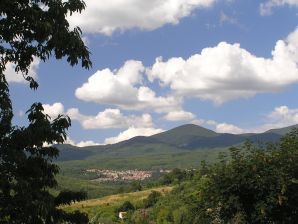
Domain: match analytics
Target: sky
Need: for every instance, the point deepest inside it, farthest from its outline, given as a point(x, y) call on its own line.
point(227, 65)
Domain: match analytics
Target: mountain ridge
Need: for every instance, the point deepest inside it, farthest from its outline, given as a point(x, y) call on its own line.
point(184, 138)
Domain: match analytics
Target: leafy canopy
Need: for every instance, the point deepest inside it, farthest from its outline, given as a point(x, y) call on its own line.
point(39, 28)
point(32, 29)
point(251, 184)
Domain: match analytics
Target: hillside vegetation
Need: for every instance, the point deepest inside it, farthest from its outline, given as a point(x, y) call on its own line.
point(182, 147)
point(248, 184)
point(182, 139)
point(190, 146)
point(254, 185)
point(104, 209)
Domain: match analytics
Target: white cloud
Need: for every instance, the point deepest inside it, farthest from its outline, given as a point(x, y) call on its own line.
point(109, 88)
point(228, 128)
point(225, 127)
point(132, 132)
point(197, 121)
point(108, 16)
point(80, 144)
point(179, 116)
point(110, 118)
point(284, 114)
point(11, 76)
point(86, 143)
point(211, 122)
point(53, 110)
point(280, 117)
point(122, 88)
point(228, 72)
point(266, 8)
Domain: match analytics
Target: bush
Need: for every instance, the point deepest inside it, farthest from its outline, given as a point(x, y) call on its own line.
point(152, 199)
point(252, 184)
point(125, 207)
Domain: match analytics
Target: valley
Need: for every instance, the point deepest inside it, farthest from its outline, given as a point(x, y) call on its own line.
point(115, 166)
point(129, 171)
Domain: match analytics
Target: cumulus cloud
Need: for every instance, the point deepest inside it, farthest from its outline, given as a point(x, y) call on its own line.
point(110, 118)
point(211, 122)
point(107, 16)
point(179, 116)
point(53, 110)
point(227, 71)
point(86, 143)
point(72, 142)
point(79, 144)
point(266, 8)
point(228, 128)
point(221, 73)
point(123, 88)
point(13, 77)
point(132, 132)
point(280, 117)
point(285, 115)
point(225, 127)
point(197, 121)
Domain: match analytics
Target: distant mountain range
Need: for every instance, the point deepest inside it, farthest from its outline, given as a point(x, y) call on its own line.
point(185, 138)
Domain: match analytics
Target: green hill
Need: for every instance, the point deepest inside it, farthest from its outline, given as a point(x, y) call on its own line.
point(182, 147)
point(182, 139)
point(181, 136)
point(282, 131)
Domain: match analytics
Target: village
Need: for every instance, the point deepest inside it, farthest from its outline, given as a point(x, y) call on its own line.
point(120, 175)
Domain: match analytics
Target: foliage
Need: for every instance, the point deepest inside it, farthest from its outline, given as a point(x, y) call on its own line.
point(125, 207)
point(32, 29)
point(39, 28)
point(176, 176)
point(152, 199)
point(254, 184)
point(136, 186)
point(27, 172)
point(257, 186)
point(104, 208)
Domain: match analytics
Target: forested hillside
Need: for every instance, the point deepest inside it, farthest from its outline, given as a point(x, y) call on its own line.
point(250, 184)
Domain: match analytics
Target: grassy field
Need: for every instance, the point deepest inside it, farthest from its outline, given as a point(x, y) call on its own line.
point(102, 210)
point(93, 189)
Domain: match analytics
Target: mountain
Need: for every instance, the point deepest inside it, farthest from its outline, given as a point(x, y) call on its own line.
point(183, 135)
point(181, 139)
point(70, 152)
point(282, 131)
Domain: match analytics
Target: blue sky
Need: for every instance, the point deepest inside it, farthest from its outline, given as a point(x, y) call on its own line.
point(228, 65)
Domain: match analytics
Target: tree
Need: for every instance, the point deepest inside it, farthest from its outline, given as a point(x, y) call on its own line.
point(251, 184)
point(136, 186)
point(258, 185)
point(152, 199)
point(35, 29)
point(125, 207)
